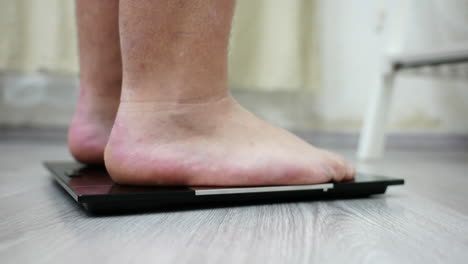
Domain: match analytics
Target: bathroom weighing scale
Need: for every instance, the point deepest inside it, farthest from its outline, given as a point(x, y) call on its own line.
point(92, 188)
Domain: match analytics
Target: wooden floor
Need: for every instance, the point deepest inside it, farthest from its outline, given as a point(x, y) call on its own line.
point(425, 221)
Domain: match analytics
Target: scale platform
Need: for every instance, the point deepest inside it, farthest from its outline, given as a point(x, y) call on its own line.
point(92, 188)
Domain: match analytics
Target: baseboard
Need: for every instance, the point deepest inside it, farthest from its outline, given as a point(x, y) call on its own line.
point(395, 141)
point(39, 107)
point(43, 100)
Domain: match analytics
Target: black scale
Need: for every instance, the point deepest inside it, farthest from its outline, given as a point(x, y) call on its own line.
point(92, 187)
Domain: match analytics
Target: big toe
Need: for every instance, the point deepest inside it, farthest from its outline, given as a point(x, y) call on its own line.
point(338, 168)
point(350, 171)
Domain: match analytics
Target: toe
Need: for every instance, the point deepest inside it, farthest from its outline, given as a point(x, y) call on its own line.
point(337, 167)
point(350, 172)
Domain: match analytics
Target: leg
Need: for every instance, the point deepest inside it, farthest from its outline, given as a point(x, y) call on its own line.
point(372, 141)
point(177, 123)
point(100, 79)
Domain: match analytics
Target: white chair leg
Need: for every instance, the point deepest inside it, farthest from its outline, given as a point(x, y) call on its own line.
point(372, 139)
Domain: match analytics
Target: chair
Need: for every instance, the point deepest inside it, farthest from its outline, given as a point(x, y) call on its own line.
point(372, 139)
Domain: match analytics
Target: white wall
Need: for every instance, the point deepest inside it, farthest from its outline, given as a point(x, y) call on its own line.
point(354, 37)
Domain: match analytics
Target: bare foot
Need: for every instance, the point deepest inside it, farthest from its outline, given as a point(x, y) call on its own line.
point(90, 128)
point(100, 79)
point(215, 143)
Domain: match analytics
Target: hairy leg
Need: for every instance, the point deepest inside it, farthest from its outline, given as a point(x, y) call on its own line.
point(177, 123)
point(100, 79)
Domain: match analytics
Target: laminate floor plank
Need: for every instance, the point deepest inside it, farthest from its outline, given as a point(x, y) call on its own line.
point(425, 221)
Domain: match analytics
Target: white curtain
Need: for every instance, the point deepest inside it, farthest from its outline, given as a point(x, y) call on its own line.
point(38, 35)
point(273, 44)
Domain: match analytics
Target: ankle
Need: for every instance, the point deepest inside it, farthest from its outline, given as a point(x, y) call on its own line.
point(106, 90)
point(168, 121)
point(190, 106)
point(177, 89)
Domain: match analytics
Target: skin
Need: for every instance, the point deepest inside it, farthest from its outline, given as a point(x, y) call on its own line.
point(100, 79)
point(177, 123)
